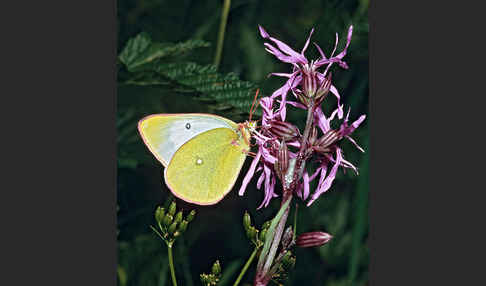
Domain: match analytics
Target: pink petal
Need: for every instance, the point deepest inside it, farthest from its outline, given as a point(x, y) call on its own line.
point(336, 93)
point(263, 33)
point(305, 178)
point(323, 56)
point(335, 45)
point(354, 143)
point(249, 174)
point(326, 184)
point(348, 41)
point(321, 120)
point(307, 42)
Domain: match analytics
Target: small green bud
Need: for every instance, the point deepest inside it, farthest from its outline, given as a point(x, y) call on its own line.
point(246, 221)
point(191, 216)
point(167, 220)
point(172, 228)
point(266, 225)
point(172, 208)
point(176, 234)
point(253, 233)
point(182, 226)
point(262, 235)
point(178, 217)
point(159, 214)
point(288, 261)
point(216, 270)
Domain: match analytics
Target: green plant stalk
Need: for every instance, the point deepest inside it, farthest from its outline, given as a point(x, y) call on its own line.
point(171, 263)
point(278, 232)
point(222, 28)
point(247, 264)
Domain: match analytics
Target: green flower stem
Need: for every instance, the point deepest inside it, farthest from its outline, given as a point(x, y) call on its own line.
point(222, 28)
point(247, 264)
point(171, 263)
point(278, 233)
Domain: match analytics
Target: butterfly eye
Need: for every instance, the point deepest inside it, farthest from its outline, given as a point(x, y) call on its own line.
point(188, 126)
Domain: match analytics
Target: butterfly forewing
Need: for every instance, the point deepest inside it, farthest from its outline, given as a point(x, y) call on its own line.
point(164, 134)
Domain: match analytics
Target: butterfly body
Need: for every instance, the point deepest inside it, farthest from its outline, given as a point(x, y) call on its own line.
point(203, 153)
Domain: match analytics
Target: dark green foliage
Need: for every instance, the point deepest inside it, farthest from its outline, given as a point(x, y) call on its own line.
point(164, 49)
point(156, 64)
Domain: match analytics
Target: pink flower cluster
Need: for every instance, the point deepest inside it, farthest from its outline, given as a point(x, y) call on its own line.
point(306, 83)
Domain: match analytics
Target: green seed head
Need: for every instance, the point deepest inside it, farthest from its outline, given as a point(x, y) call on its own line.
point(159, 214)
point(216, 270)
point(191, 216)
point(167, 220)
point(172, 228)
point(246, 221)
point(182, 226)
point(172, 208)
point(178, 217)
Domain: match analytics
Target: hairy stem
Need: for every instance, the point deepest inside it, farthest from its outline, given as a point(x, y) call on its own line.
point(247, 264)
point(222, 28)
point(171, 264)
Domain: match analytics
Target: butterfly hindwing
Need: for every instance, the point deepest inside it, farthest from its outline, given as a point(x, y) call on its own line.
point(205, 168)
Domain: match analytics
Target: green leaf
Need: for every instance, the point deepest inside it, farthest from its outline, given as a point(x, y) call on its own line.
point(225, 93)
point(140, 52)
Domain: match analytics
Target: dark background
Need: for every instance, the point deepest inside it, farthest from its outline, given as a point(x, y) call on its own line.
point(217, 232)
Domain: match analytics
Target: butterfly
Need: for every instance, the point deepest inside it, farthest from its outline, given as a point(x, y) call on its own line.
point(202, 153)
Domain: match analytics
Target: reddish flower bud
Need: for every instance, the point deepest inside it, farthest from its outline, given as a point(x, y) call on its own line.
point(328, 139)
point(315, 238)
point(313, 136)
point(324, 88)
point(309, 82)
point(283, 129)
point(283, 158)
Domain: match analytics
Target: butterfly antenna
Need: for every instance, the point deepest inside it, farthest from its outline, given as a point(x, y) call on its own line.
point(253, 106)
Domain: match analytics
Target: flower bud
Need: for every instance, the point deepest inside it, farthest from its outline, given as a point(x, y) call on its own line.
point(266, 224)
point(172, 228)
point(167, 220)
point(159, 214)
point(310, 239)
point(309, 82)
point(252, 233)
point(288, 261)
point(262, 235)
point(182, 226)
point(172, 208)
point(246, 221)
point(284, 130)
point(216, 269)
point(303, 99)
point(178, 217)
point(324, 88)
point(322, 144)
point(313, 136)
point(191, 216)
point(283, 158)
